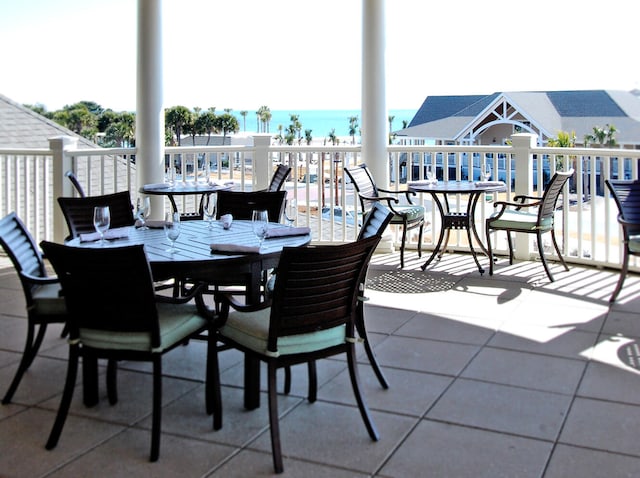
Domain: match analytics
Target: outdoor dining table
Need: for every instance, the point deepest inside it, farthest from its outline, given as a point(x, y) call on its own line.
point(195, 260)
point(461, 220)
point(186, 189)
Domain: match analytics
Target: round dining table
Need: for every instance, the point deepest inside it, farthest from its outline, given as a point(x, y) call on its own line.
point(187, 188)
point(237, 253)
point(464, 220)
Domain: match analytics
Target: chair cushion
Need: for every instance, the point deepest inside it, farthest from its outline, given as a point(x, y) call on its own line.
point(410, 212)
point(47, 300)
point(634, 244)
point(251, 330)
point(177, 322)
point(522, 220)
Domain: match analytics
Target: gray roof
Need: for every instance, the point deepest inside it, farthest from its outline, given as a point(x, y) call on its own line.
point(21, 127)
point(446, 117)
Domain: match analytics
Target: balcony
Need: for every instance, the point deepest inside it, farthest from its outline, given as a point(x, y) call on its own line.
point(503, 376)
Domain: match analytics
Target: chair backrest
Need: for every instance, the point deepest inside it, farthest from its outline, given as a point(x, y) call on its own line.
point(107, 288)
point(316, 288)
point(78, 212)
point(279, 177)
point(375, 221)
point(626, 194)
point(552, 192)
point(363, 182)
point(76, 184)
point(22, 250)
point(240, 204)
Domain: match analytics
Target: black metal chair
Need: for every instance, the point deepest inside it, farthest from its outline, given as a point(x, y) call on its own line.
point(312, 315)
point(409, 215)
point(41, 291)
point(113, 313)
point(240, 204)
point(76, 183)
point(627, 197)
point(279, 177)
point(517, 217)
point(78, 211)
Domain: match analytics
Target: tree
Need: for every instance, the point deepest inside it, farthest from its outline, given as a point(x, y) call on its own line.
point(353, 128)
point(604, 136)
point(227, 123)
point(332, 136)
point(79, 119)
point(121, 131)
point(176, 118)
point(264, 116)
point(208, 123)
point(391, 135)
point(244, 114)
point(307, 136)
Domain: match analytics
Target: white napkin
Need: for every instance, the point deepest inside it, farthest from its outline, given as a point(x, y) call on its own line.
point(218, 183)
point(423, 182)
point(235, 248)
point(111, 234)
point(151, 187)
point(489, 183)
point(151, 223)
point(287, 231)
point(226, 221)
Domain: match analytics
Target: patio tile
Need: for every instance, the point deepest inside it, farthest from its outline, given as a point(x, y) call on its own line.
point(574, 461)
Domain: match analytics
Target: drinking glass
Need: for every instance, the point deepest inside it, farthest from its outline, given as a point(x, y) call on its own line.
point(431, 173)
point(143, 209)
point(172, 229)
point(209, 209)
point(291, 211)
point(101, 220)
point(260, 224)
point(485, 172)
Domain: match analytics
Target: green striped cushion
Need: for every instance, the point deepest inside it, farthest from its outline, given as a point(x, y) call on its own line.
point(520, 220)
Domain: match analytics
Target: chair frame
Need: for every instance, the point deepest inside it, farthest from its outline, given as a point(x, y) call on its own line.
point(546, 206)
point(369, 194)
point(76, 183)
point(316, 288)
point(241, 203)
point(626, 194)
point(279, 178)
point(78, 211)
point(122, 276)
point(29, 263)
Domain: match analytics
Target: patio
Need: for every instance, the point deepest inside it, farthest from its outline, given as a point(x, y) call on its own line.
point(507, 375)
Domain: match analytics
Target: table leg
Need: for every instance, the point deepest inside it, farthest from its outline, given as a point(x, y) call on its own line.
point(443, 230)
point(471, 229)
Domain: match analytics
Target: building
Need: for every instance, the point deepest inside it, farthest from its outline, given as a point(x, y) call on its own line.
point(491, 119)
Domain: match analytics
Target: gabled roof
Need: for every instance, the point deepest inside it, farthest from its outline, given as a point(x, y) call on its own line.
point(448, 117)
point(21, 127)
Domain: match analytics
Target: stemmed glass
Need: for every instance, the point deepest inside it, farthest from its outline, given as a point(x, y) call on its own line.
point(209, 209)
point(143, 209)
point(172, 229)
point(260, 224)
point(101, 221)
point(485, 172)
point(431, 173)
point(291, 211)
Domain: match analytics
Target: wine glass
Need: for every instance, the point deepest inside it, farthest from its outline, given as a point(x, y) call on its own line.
point(260, 224)
point(101, 220)
point(209, 209)
point(485, 172)
point(143, 209)
point(172, 229)
point(431, 173)
point(291, 211)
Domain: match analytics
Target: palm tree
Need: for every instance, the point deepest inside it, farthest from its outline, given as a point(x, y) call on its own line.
point(244, 114)
point(391, 135)
point(227, 123)
point(353, 128)
point(176, 118)
point(208, 122)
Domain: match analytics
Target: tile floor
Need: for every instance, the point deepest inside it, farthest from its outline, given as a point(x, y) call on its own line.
point(509, 376)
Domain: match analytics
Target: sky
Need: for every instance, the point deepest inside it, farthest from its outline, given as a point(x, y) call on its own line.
point(303, 54)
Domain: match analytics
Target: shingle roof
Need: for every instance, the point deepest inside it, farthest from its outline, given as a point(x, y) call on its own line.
point(21, 127)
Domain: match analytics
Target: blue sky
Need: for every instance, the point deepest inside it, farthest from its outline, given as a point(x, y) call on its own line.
point(292, 54)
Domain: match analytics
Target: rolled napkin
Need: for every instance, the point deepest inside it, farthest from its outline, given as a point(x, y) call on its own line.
point(151, 187)
point(226, 221)
point(151, 223)
point(287, 231)
point(219, 183)
point(489, 183)
point(111, 234)
point(241, 249)
point(422, 182)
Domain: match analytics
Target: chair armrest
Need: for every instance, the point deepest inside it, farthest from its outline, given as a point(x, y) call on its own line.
point(39, 280)
point(228, 300)
point(385, 199)
point(627, 224)
point(406, 193)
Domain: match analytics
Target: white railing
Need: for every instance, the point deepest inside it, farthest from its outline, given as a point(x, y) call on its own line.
point(586, 222)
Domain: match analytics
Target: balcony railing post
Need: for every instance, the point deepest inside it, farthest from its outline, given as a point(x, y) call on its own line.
point(523, 160)
point(261, 163)
point(61, 187)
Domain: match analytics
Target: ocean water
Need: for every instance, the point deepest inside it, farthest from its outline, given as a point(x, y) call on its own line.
point(320, 122)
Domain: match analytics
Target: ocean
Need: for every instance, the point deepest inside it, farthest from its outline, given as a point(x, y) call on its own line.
point(320, 122)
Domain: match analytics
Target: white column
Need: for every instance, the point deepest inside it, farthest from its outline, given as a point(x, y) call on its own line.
point(522, 145)
point(374, 103)
point(149, 101)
